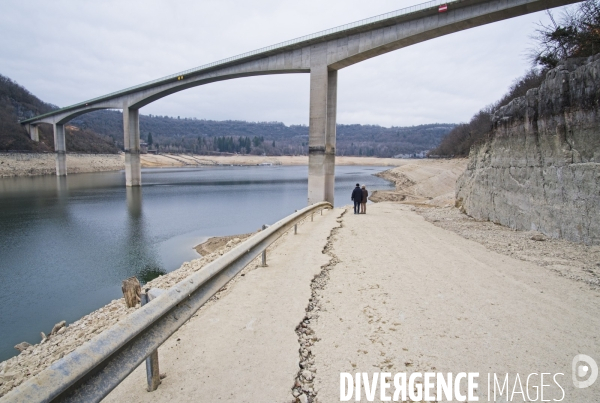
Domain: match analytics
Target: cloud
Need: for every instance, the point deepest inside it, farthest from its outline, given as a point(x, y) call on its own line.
point(69, 51)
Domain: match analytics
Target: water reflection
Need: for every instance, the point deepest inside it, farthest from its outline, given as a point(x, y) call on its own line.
point(140, 254)
point(134, 203)
point(62, 188)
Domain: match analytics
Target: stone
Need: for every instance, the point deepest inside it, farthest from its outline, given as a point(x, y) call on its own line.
point(538, 237)
point(302, 398)
point(58, 326)
point(8, 377)
point(307, 375)
point(163, 375)
point(22, 346)
point(538, 170)
point(44, 337)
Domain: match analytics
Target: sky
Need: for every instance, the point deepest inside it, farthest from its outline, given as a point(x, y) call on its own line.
point(68, 51)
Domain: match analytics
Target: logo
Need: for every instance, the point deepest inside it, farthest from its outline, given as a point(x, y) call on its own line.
point(584, 366)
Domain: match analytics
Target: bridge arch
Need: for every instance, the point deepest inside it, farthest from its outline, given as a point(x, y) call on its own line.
point(161, 93)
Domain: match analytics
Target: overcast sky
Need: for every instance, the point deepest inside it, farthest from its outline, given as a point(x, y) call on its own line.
point(66, 52)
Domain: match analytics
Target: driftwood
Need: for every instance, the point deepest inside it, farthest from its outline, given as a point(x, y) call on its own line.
point(131, 291)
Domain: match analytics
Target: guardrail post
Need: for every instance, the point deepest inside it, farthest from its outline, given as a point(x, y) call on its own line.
point(321, 211)
point(264, 253)
point(295, 225)
point(152, 372)
point(311, 217)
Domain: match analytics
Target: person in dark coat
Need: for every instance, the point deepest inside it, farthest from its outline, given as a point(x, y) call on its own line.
point(363, 204)
point(357, 197)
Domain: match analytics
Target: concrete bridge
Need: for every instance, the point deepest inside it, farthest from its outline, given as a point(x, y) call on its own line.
point(321, 54)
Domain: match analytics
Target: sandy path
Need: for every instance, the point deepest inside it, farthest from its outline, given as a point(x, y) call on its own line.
point(244, 347)
point(407, 296)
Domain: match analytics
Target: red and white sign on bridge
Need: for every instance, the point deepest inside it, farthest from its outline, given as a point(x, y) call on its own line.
point(443, 8)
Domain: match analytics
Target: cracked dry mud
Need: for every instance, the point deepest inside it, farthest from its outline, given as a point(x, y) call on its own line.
point(303, 389)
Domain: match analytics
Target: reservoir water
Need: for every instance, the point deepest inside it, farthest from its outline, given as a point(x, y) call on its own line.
point(67, 243)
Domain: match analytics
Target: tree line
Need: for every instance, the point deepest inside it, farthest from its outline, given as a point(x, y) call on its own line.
point(575, 34)
point(202, 136)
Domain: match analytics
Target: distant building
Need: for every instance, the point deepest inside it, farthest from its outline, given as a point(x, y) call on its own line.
point(143, 147)
point(422, 154)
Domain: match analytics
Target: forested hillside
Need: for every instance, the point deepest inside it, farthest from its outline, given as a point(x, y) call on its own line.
point(17, 103)
point(175, 134)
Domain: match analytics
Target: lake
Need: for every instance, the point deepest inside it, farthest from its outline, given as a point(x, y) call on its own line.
point(67, 243)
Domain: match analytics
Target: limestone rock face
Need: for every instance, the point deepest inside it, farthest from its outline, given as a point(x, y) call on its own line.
point(540, 168)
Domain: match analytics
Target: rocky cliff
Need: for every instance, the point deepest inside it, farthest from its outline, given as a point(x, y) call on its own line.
point(540, 167)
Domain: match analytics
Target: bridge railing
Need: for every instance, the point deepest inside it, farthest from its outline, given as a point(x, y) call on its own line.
point(90, 372)
point(306, 38)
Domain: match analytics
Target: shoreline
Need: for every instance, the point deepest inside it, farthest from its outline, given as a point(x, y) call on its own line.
point(39, 164)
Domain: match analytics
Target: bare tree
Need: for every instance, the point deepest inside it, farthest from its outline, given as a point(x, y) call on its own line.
point(577, 34)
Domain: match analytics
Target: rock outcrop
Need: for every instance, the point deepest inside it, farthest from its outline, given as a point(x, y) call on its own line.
point(540, 168)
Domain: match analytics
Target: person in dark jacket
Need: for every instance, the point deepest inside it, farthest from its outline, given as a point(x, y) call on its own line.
point(363, 204)
point(357, 197)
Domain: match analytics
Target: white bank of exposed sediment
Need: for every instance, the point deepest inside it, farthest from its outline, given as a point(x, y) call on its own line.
point(35, 164)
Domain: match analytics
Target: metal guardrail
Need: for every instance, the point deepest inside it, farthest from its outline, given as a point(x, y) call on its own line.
point(90, 372)
point(267, 49)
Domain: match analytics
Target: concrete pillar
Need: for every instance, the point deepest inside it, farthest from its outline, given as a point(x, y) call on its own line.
point(329, 163)
point(131, 129)
point(34, 133)
point(321, 134)
point(60, 147)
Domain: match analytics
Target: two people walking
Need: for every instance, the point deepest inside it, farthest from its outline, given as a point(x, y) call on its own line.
point(359, 196)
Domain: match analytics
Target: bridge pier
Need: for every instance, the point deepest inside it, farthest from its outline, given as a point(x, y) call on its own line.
point(131, 129)
point(321, 137)
point(34, 133)
point(60, 147)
